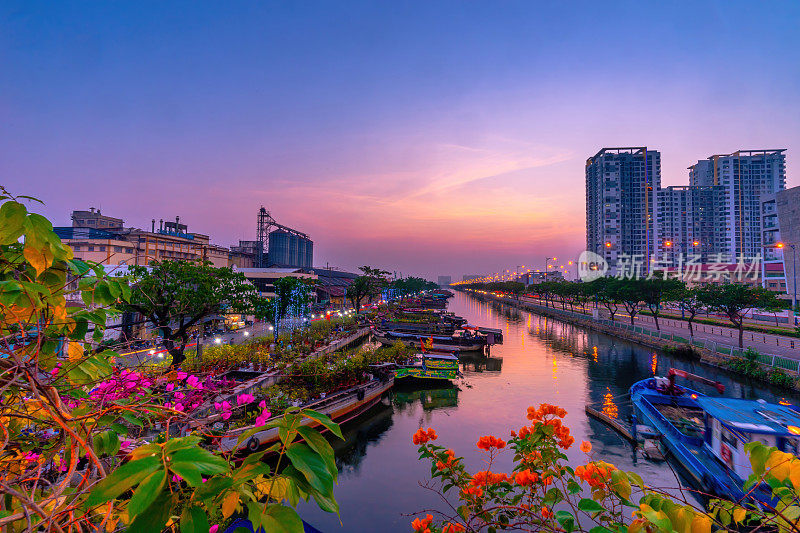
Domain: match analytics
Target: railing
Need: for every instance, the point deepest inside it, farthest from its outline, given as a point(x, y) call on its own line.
point(771, 360)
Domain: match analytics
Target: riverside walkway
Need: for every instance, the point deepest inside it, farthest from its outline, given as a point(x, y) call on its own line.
point(723, 337)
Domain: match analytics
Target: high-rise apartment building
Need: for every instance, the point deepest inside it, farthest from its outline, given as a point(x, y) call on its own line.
point(780, 226)
point(689, 223)
point(744, 175)
point(621, 185)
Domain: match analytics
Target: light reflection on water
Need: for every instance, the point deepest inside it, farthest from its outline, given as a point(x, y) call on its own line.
point(542, 360)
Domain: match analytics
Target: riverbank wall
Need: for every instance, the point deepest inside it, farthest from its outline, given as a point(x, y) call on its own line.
point(705, 356)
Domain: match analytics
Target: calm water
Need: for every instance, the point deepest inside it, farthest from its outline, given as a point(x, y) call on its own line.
point(541, 360)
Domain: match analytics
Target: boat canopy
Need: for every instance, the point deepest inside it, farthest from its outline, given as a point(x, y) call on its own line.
point(442, 356)
point(752, 416)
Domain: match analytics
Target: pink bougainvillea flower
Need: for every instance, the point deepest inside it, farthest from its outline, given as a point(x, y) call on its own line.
point(170, 387)
point(245, 398)
point(180, 395)
point(226, 415)
point(193, 381)
point(179, 406)
point(262, 404)
point(213, 529)
point(176, 478)
point(226, 406)
point(181, 375)
point(218, 406)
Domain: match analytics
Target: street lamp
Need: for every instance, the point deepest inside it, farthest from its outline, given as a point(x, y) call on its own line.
point(781, 245)
point(546, 265)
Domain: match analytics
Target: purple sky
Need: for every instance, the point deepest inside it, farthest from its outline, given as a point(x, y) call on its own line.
point(423, 137)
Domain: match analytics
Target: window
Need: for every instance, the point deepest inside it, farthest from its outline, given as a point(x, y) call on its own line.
point(90, 248)
point(102, 248)
point(76, 247)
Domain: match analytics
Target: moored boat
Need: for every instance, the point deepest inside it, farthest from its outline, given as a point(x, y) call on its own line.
point(430, 366)
point(341, 407)
point(465, 343)
point(706, 435)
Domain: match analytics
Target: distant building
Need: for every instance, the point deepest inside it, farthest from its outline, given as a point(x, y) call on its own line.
point(467, 277)
point(445, 281)
point(331, 286)
point(745, 176)
point(264, 278)
point(117, 245)
point(620, 203)
point(247, 254)
point(780, 223)
point(690, 222)
point(290, 249)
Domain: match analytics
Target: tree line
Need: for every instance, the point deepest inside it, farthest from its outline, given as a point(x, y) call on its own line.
point(734, 300)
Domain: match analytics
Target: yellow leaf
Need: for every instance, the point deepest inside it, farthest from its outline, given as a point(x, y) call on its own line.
point(701, 524)
point(739, 514)
point(794, 474)
point(39, 258)
point(778, 465)
point(229, 503)
point(74, 351)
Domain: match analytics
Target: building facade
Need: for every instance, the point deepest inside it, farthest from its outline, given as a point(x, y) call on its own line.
point(117, 245)
point(444, 281)
point(745, 176)
point(621, 185)
point(780, 214)
point(689, 223)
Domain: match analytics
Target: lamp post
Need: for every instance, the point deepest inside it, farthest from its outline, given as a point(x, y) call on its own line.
point(782, 245)
point(546, 265)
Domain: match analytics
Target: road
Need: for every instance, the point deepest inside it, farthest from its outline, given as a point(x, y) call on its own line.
point(763, 343)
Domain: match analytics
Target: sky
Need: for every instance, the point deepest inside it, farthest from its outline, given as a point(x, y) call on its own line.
point(428, 138)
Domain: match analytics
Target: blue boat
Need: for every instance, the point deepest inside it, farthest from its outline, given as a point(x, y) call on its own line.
point(706, 435)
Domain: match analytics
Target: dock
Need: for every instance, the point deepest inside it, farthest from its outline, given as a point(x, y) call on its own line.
point(613, 423)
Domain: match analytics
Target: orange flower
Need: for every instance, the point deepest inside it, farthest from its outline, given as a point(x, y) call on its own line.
point(586, 446)
point(472, 491)
point(485, 477)
point(526, 477)
point(487, 442)
point(422, 436)
point(546, 512)
point(453, 528)
point(422, 525)
point(596, 474)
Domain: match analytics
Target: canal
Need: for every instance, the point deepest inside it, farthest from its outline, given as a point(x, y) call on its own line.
point(541, 360)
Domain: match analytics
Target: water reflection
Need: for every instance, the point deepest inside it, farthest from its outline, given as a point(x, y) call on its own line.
point(542, 360)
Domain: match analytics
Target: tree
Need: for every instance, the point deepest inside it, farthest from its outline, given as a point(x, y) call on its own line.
point(629, 292)
point(657, 290)
point(689, 300)
point(368, 285)
point(734, 300)
point(605, 290)
point(68, 414)
point(174, 296)
point(291, 297)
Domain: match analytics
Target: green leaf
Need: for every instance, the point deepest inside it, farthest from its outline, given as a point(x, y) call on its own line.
point(174, 445)
point(132, 419)
point(588, 505)
point(212, 487)
point(311, 465)
point(325, 420)
point(12, 221)
point(154, 517)
point(566, 520)
point(123, 478)
point(281, 519)
point(194, 520)
point(318, 443)
point(147, 491)
point(204, 461)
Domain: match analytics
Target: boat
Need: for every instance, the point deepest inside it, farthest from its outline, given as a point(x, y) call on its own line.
point(706, 435)
point(340, 406)
point(430, 366)
point(464, 343)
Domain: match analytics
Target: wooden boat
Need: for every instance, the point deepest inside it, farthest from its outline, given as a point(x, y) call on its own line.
point(340, 407)
point(465, 343)
point(706, 435)
point(430, 366)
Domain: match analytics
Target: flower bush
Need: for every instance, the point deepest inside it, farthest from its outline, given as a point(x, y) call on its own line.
point(88, 446)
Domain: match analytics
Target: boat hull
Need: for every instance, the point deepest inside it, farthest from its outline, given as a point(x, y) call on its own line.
point(340, 407)
point(447, 374)
point(415, 342)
